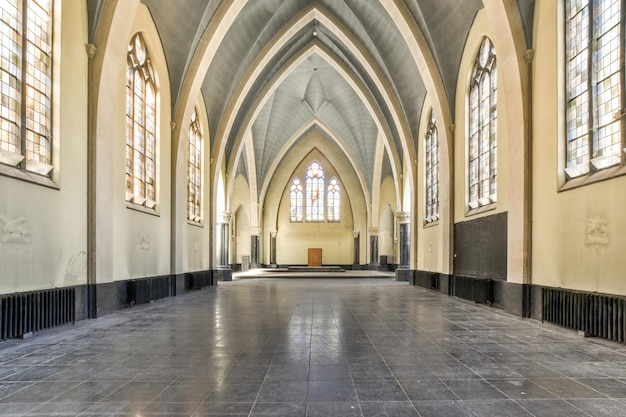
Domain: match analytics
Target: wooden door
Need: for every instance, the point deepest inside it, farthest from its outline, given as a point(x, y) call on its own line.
point(315, 256)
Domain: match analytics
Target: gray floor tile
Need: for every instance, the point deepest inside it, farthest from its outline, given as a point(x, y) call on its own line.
point(389, 409)
point(312, 347)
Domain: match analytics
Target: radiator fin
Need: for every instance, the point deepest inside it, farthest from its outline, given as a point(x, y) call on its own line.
point(596, 315)
point(198, 279)
point(474, 289)
point(149, 289)
point(24, 313)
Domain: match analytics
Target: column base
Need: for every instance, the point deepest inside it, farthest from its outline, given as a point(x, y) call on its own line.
point(403, 274)
point(223, 274)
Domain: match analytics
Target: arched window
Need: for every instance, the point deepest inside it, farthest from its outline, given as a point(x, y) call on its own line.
point(593, 73)
point(140, 125)
point(314, 193)
point(431, 145)
point(194, 170)
point(26, 84)
point(334, 198)
point(295, 201)
point(483, 128)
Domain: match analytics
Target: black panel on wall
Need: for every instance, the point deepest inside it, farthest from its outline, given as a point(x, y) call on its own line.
point(480, 247)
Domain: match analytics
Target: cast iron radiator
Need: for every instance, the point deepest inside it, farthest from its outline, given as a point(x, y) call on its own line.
point(198, 279)
point(428, 280)
point(474, 289)
point(149, 289)
point(27, 312)
point(597, 315)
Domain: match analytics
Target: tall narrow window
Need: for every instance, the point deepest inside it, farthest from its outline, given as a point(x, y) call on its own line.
point(594, 74)
point(140, 125)
point(194, 170)
point(483, 128)
point(26, 84)
point(334, 200)
point(314, 193)
point(295, 201)
point(431, 145)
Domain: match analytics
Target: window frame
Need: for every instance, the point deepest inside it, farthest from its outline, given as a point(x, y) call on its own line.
point(314, 210)
point(138, 153)
point(17, 164)
point(333, 201)
point(297, 215)
point(194, 182)
point(590, 169)
point(485, 68)
point(431, 168)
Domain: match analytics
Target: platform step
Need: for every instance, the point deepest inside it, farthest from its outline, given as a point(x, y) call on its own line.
point(315, 269)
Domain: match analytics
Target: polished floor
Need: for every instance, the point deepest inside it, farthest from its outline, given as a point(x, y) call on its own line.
point(312, 347)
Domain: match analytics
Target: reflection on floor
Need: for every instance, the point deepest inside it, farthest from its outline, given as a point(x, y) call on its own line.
point(312, 347)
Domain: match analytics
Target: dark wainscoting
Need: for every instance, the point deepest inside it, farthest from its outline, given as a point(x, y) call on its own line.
point(480, 247)
point(513, 298)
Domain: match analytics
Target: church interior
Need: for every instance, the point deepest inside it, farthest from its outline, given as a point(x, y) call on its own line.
point(469, 149)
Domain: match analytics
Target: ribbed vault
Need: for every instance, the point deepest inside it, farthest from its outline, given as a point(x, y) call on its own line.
point(360, 36)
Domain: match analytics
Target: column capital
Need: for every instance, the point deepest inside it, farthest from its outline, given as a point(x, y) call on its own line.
point(374, 231)
point(356, 234)
point(91, 49)
point(403, 217)
point(224, 217)
point(273, 234)
point(255, 231)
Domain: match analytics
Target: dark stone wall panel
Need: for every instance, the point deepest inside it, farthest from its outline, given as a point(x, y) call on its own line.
point(480, 247)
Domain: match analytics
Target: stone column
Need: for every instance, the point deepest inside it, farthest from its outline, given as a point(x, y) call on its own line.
point(273, 234)
point(357, 250)
point(374, 262)
point(223, 267)
point(255, 243)
point(403, 271)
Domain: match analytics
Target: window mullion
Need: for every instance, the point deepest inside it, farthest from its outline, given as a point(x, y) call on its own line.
point(591, 84)
point(622, 80)
point(24, 69)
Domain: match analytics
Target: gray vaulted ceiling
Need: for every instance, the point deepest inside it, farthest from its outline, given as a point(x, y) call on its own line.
point(315, 91)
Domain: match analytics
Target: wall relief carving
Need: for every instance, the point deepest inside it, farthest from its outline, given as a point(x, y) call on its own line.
point(596, 232)
point(14, 232)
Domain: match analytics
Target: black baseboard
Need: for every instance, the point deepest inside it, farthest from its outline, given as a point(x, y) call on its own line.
point(513, 298)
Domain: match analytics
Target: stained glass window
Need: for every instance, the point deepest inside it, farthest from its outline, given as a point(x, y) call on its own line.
point(26, 83)
point(140, 125)
point(483, 128)
point(295, 201)
point(431, 145)
point(334, 199)
point(594, 43)
point(194, 170)
point(314, 188)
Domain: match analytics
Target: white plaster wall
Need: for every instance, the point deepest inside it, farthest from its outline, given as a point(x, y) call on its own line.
point(562, 255)
point(196, 238)
point(54, 222)
point(141, 241)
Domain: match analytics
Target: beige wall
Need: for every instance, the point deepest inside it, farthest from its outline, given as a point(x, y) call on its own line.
point(562, 254)
point(480, 28)
point(387, 235)
point(53, 222)
point(336, 239)
point(240, 223)
point(429, 249)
